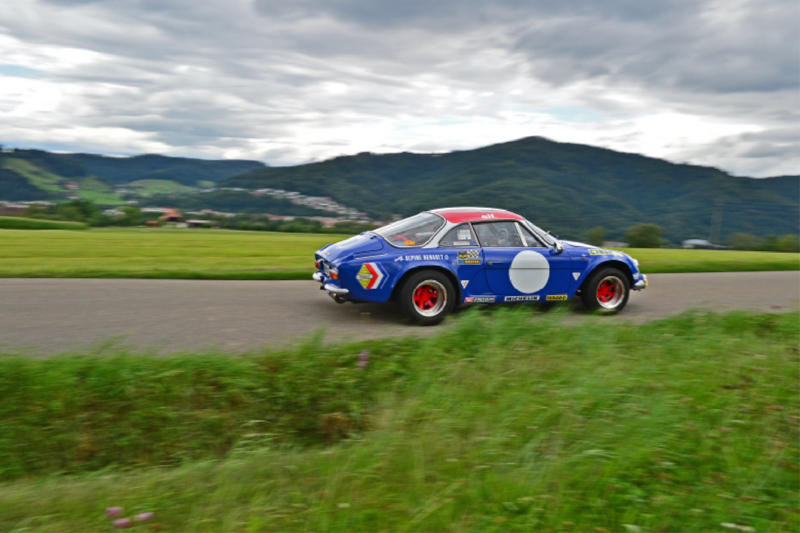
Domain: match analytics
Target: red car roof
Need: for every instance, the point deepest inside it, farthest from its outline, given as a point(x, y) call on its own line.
point(475, 214)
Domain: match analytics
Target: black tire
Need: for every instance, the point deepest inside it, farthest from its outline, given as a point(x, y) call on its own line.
point(432, 286)
point(608, 301)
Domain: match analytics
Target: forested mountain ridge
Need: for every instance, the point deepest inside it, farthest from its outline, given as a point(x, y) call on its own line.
point(182, 170)
point(568, 188)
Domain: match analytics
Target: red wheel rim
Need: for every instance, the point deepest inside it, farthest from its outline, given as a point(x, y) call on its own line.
point(606, 291)
point(430, 298)
point(610, 292)
point(426, 297)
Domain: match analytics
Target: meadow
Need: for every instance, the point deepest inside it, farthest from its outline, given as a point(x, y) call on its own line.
point(21, 223)
point(510, 421)
point(222, 254)
point(159, 253)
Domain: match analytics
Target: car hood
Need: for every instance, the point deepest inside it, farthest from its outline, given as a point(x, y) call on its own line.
point(360, 244)
point(583, 246)
point(574, 244)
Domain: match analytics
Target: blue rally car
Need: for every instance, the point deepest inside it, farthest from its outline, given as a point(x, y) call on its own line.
point(437, 259)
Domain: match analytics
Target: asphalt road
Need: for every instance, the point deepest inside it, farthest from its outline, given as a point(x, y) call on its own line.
point(45, 316)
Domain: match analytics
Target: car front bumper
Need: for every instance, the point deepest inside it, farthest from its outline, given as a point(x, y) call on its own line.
point(641, 284)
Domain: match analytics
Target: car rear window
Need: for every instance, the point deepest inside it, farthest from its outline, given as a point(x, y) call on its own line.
point(414, 231)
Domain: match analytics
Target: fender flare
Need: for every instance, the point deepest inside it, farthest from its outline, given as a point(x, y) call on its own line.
point(450, 273)
point(610, 262)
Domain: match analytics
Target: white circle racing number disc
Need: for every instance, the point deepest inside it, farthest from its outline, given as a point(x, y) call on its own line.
point(529, 272)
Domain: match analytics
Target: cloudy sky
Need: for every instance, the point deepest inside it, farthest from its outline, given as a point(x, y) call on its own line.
point(286, 82)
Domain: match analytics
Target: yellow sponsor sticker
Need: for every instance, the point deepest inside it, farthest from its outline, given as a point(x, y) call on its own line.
point(556, 297)
point(595, 251)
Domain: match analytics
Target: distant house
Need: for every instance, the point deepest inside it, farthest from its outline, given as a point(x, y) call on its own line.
point(12, 209)
point(171, 215)
point(72, 186)
point(614, 244)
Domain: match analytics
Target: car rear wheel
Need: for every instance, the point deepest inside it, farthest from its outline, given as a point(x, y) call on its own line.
point(427, 297)
point(606, 292)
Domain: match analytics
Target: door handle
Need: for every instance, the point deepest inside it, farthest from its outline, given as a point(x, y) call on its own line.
point(490, 263)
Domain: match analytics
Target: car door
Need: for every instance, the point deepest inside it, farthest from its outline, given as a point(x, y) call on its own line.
point(467, 259)
point(518, 266)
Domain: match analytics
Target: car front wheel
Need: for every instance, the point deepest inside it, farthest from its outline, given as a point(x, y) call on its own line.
point(606, 292)
point(427, 297)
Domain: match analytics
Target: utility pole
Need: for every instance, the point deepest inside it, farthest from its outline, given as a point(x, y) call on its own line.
point(716, 222)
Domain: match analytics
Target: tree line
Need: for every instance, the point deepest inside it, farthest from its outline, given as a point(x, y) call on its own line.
point(650, 236)
point(88, 213)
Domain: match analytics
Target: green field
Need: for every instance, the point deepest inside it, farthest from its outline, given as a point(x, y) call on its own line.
point(21, 223)
point(159, 253)
point(151, 187)
point(684, 424)
point(218, 254)
point(658, 260)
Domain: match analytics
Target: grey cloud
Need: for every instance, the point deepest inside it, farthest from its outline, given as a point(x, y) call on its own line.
point(188, 72)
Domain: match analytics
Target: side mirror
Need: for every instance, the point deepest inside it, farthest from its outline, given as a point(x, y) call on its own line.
point(558, 247)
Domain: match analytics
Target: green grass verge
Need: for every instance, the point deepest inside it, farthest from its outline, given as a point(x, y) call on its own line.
point(660, 260)
point(19, 223)
point(168, 253)
point(160, 253)
point(502, 423)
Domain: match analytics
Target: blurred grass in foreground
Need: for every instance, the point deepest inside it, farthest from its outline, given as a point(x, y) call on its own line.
point(168, 253)
point(503, 423)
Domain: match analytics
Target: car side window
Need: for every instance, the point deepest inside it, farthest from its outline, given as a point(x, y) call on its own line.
point(498, 235)
point(530, 240)
point(461, 235)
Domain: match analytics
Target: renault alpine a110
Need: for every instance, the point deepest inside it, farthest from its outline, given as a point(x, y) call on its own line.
point(437, 259)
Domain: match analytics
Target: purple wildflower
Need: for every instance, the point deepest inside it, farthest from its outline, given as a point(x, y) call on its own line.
point(144, 517)
point(111, 512)
point(363, 359)
point(123, 523)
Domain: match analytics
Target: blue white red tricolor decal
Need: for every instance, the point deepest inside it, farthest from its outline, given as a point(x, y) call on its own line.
point(371, 276)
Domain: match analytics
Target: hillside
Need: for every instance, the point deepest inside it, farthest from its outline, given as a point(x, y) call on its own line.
point(181, 170)
point(567, 188)
point(41, 175)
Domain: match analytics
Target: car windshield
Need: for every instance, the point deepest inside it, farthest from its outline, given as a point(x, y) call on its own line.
point(549, 239)
point(414, 231)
